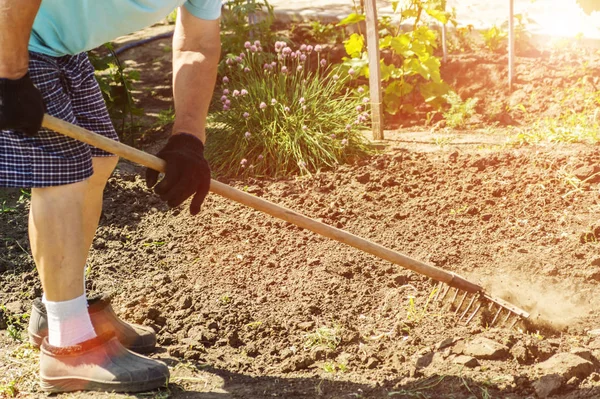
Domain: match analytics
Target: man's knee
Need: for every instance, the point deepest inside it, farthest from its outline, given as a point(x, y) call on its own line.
point(103, 169)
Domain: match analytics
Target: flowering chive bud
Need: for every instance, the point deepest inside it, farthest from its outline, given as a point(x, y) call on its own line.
point(287, 109)
point(335, 77)
point(361, 90)
point(366, 100)
point(309, 49)
point(236, 93)
point(323, 63)
point(348, 127)
point(226, 92)
point(228, 61)
point(253, 48)
point(304, 127)
point(303, 47)
point(257, 43)
point(301, 101)
point(242, 55)
point(244, 92)
point(318, 48)
point(246, 115)
point(225, 107)
point(262, 105)
point(302, 164)
point(273, 102)
point(351, 72)
point(332, 136)
point(246, 69)
point(274, 64)
point(223, 98)
point(302, 57)
point(247, 44)
point(243, 162)
point(225, 79)
point(247, 134)
point(284, 69)
point(238, 59)
point(359, 108)
point(344, 141)
point(304, 108)
point(299, 68)
point(228, 102)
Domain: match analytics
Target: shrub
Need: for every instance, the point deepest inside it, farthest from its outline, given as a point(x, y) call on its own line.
point(408, 65)
point(284, 113)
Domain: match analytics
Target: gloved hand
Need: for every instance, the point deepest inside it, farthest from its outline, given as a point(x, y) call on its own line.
point(21, 105)
point(187, 172)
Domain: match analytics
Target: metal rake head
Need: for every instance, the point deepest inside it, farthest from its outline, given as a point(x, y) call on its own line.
point(467, 305)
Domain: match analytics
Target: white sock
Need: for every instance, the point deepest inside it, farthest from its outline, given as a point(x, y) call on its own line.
point(68, 322)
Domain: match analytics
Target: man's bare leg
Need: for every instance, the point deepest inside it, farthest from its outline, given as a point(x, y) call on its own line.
point(62, 224)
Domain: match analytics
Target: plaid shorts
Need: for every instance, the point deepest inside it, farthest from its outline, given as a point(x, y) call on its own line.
point(71, 93)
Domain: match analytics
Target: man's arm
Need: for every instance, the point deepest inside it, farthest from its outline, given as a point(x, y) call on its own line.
point(16, 20)
point(196, 52)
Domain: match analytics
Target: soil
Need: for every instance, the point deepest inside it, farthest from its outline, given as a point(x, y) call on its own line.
point(247, 306)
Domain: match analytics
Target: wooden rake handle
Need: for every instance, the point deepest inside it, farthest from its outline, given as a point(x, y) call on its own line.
point(153, 162)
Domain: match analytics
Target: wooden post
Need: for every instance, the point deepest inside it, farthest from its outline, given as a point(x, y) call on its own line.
point(444, 44)
point(511, 43)
point(374, 70)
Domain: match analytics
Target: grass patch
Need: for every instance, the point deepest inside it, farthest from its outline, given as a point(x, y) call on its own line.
point(329, 337)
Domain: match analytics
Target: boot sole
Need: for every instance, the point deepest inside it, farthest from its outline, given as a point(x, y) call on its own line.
point(70, 384)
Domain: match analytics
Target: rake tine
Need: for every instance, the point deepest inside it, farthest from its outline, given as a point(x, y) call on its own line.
point(454, 297)
point(468, 307)
point(438, 290)
point(507, 317)
point(496, 316)
point(445, 292)
point(473, 314)
point(461, 303)
point(512, 325)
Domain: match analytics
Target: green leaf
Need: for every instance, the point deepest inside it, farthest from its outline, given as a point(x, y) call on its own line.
point(442, 16)
point(401, 45)
point(351, 19)
point(354, 45)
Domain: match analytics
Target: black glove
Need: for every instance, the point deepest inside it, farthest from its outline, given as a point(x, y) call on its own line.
point(21, 105)
point(187, 172)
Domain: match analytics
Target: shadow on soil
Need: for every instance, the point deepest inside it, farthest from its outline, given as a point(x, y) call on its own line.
point(213, 383)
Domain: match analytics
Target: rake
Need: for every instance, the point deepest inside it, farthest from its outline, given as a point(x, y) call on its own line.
point(467, 299)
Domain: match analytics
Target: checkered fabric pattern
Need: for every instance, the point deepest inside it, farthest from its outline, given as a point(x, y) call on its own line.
point(71, 93)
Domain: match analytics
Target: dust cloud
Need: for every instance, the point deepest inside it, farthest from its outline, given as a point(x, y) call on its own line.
point(553, 305)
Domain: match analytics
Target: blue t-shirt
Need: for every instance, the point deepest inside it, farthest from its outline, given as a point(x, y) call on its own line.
point(67, 27)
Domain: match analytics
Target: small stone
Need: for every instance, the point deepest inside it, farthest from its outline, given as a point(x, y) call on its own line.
point(424, 361)
point(185, 302)
point(364, 178)
point(372, 363)
point(467, 361)
point(306, 325)
point(584, 353)
point(445, 343)
point(16, 307)
point(484, 348)
point(566, 365)
point(548, 385)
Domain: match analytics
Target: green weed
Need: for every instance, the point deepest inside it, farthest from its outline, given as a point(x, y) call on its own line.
point(329, 337)
point(495, 38)
point(460, 111)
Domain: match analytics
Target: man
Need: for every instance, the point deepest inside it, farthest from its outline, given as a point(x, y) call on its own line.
point(43, 66)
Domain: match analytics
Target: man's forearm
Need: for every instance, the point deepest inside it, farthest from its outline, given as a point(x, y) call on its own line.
point(16, 20)
point(194, 77)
